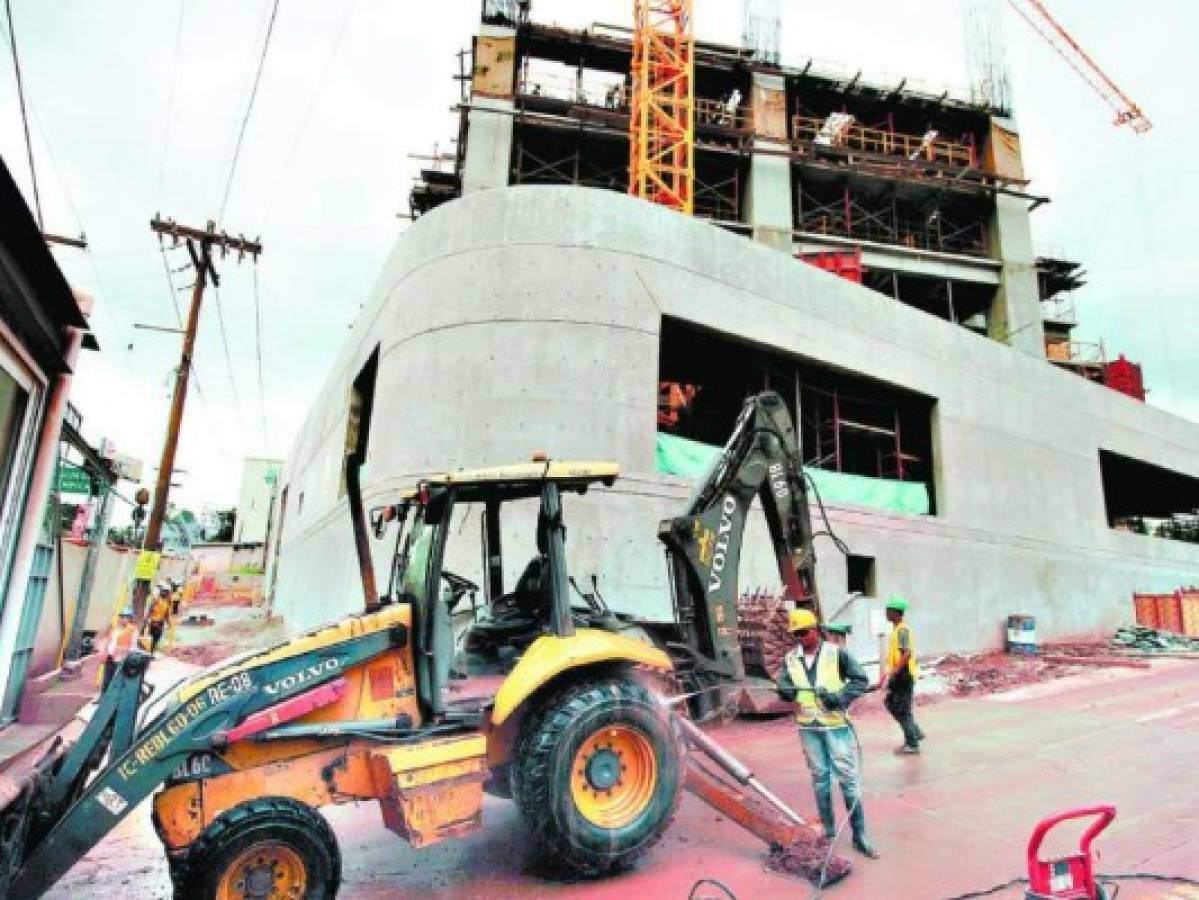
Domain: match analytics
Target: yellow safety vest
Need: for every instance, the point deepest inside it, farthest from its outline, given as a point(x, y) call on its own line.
point(808, 712)
point(894, 653)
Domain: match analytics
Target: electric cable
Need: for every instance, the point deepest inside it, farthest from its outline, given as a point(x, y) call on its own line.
point(266, 43)
point(1117, 876)
point(315, 96)
point(258, 355)
point(166, 136)
point(16, 62)
point(828, 532)
point(720, 885)
point(220, 315)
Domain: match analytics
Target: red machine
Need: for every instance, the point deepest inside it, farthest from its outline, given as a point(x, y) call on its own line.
point(1070, 877)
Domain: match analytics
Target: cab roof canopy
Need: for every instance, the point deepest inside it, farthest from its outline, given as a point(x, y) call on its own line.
point(525, 479)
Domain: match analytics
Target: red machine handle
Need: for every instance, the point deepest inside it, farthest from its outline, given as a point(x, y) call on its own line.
point(1105, 813)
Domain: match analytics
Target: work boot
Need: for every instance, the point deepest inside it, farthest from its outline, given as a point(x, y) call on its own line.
point(864, 845)
point(824, 805)
point(907, 750)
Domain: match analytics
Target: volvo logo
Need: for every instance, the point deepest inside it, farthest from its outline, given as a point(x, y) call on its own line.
point(303, 676)
point(728, 509)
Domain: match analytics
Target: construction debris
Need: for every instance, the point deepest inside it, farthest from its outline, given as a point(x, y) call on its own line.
point(811, 859)
point(762, 632)
point(1151, 640)
point(988, 673)
point(1099, 661)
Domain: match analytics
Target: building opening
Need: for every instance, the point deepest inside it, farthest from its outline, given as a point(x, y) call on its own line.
point(1147, 499)
point(864, 442)
point(860, 575)
point(358, 419)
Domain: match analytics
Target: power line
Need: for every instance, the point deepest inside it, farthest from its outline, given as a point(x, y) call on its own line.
point(166, 268)
point(258, 353)
point(16, 62)
point(315, 96)
point(220, 315)
point(266, 43)
point(166, 137)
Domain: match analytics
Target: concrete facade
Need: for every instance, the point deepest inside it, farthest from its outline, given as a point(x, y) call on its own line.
point(529, 318)
point(259, 483)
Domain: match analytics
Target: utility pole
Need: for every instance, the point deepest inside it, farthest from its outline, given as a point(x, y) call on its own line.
point(199, 247)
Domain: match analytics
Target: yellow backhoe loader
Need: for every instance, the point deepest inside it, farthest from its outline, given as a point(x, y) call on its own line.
point(547, 697)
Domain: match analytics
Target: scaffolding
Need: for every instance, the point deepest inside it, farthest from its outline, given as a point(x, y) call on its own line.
point(662, 123)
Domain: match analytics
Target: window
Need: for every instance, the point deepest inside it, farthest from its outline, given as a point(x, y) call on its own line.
point(860, 575)
point(358, 418)
point(850, 425)
point(12, 412)
point(1147, 499)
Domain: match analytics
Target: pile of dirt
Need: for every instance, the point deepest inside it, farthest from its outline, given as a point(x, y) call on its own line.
point(810, 857)
point(988, 673)
point(203, 655)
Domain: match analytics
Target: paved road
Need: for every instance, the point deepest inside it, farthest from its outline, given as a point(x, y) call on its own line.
point(953, 820)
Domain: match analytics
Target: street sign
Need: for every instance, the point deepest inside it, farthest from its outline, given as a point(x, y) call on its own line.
point(147, 565)
point(74, 480)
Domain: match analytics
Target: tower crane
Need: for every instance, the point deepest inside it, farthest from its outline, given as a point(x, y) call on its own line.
point(662, 120)
point(1035, 13)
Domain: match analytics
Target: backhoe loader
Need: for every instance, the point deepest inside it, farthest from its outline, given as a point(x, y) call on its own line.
point(546, 697)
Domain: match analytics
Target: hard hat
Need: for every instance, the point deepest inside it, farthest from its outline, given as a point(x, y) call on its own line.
point(127, 612)
point(897, 603)
point(838, 628)
point(176, 582)
point(800, 618)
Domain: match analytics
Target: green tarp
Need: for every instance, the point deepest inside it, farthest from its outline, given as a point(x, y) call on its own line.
point(691, 459)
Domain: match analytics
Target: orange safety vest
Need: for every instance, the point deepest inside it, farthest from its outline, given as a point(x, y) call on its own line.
point(160, 610)
point(121, 641)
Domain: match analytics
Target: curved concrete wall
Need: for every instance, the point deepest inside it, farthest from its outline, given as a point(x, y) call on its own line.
point(528, 318)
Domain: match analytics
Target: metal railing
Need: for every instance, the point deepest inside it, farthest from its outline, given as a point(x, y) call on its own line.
point(881, 142)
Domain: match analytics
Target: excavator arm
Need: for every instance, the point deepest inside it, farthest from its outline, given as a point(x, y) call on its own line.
point(703, 546)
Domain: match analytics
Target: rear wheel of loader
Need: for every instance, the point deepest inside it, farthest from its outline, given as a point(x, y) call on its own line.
point(266, 849)
point(596, 774)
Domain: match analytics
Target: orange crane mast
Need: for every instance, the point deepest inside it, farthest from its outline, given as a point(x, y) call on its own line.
point(662, 120)
point(1035, 13)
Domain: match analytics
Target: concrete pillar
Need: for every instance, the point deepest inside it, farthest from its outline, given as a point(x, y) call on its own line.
point(768, 198)
point(493, 87)
point(1015, 314)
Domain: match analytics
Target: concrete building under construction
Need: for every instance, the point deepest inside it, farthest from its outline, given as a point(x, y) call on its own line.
point(865, 249)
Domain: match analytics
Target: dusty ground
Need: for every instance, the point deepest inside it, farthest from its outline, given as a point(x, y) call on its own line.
point(953, 820)
point(235, 628)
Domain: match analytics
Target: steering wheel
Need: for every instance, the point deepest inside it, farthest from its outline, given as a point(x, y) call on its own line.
point(458, 585)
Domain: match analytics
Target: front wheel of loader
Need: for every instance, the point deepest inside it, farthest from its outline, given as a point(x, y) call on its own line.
point(596, 774)
point(272, 848)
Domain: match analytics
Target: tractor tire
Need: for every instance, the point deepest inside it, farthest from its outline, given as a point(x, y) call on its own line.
point(596, 774)
point(272, 847)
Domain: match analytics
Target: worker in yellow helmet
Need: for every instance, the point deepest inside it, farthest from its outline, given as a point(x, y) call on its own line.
point(823, 680)
point(899, 673)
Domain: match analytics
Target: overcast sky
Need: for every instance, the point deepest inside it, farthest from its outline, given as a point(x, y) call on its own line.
point(133, 114)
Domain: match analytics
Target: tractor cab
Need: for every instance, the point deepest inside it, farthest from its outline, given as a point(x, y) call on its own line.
point(480, 556)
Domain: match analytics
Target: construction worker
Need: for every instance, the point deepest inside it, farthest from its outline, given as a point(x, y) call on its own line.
point(899, 676)
point(120, 641)
point(823, 680)
point(838, 633)
point(159, 614)
point(176, 595)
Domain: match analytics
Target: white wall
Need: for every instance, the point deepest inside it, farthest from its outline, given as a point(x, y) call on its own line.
point(528, 318)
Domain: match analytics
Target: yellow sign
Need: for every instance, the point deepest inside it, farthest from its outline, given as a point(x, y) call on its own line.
point(147, 565)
